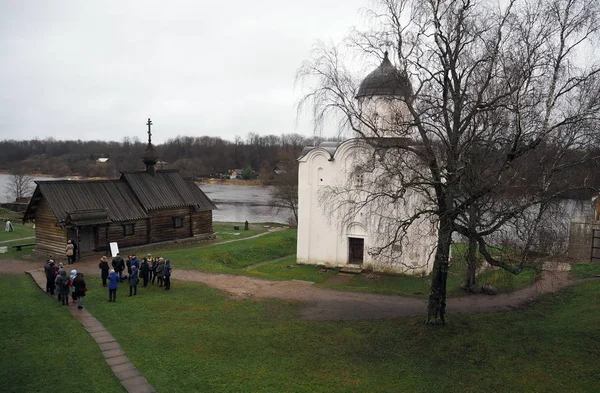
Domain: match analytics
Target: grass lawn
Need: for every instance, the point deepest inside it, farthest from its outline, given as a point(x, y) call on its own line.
point(389, 284)
point(7, 240)
point(44, 349)
point(237, 257)
point(231, 257)
point(194, 339)
point(585, 270)
point(21, 231)
point(225, 231)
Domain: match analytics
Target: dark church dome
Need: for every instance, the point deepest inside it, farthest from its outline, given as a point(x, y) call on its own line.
point(150, 156)
point(385, 80)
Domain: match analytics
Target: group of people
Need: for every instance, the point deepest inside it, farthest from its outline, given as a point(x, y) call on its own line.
point(73, 285)
point(149, 270)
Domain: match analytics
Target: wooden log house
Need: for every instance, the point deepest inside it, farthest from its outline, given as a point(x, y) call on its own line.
point(138, 208)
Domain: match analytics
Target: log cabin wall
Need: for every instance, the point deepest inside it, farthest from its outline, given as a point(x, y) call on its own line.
point(116, 234)
point(202, 222)
point(163, 228)
point(50, 238)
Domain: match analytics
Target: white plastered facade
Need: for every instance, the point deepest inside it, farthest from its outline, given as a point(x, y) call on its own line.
point(328, 234)
point(324, 233)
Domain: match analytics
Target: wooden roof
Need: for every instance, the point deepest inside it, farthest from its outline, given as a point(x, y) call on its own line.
point(89, 202)
point(73, 198)
point(167, 189)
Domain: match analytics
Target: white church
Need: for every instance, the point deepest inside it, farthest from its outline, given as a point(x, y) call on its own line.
point(340, 221)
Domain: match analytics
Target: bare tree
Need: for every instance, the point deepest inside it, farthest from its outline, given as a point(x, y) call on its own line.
point(19, 185)
point(284, 191)
point(502, 107)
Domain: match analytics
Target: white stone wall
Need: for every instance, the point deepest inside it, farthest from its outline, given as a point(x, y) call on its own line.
point(323, 234)
point(388, 115)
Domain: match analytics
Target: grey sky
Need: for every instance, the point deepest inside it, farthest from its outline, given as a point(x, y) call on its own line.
point(97, 69)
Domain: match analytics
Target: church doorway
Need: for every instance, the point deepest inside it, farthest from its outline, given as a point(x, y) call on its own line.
point(356, 247)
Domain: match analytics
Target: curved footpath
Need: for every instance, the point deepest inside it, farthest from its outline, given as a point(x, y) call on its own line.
point(331, 304)
point(124, 370)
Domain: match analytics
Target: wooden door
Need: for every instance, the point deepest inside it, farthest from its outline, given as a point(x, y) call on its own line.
point(87, 239)
point(356, 247)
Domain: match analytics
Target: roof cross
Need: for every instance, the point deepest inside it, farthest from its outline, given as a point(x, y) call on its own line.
point(149, 131)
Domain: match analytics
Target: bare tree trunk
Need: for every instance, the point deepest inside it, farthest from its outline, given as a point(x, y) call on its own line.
point(472, 263)
point(436, 309)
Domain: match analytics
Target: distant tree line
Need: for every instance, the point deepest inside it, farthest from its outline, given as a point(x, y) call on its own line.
point(201, 156)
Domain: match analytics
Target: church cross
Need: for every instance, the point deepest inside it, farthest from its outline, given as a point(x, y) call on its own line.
point(149, 131)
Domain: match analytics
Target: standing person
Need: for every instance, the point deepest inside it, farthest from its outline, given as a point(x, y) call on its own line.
point(8, 227)
point(62, 282)
point(134, 279)
point(50, 276)
point(103, 265)
point(151, 269)
point(135, 261)
point(144, 269)
point(167, 273)
point(80, 289)
point(71, 286)
point(119, 266)
point(75, 246)
point(56, 281)
point(128, 264)
point(113, 284)
point(159, 271)
point(69, 251)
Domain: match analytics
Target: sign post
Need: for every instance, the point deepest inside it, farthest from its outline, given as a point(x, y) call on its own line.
point(114, 249)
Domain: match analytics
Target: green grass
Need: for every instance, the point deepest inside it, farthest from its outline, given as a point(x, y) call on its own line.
point(21, 231)
point(225, 231)
point(24, 254)
point(43, 348)
point(402, 285)
point(214, 344)
point(585, 270)
point(278, 271)
point(231, 257)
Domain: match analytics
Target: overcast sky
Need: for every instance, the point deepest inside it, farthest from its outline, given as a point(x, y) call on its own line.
point(97, 69)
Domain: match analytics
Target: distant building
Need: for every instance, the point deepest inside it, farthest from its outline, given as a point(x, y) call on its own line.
point(102, 160)
point(138, 208)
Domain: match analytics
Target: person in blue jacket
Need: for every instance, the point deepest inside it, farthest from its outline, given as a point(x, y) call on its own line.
point(113, 284)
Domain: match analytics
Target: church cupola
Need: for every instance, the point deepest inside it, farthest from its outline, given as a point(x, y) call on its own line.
point(383, 97)
point(150, 156)
point(385, 81)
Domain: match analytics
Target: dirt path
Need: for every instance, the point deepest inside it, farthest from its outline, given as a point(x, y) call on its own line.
point(329, 304)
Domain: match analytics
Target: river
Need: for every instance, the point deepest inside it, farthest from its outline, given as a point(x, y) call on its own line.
point(235, 203)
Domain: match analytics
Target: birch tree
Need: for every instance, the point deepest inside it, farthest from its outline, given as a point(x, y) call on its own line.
point(503, 111)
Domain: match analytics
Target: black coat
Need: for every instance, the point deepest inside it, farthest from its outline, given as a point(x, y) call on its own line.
point(144, 269)
point(103, 265)
point(118, 264)
point(80, 286)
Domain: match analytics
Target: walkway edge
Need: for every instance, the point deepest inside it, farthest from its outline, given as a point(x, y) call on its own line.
point(129, 376)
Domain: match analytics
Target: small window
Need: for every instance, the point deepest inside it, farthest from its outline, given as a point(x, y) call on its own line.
point(128, 229)
point(359, 179)
point(178, 222)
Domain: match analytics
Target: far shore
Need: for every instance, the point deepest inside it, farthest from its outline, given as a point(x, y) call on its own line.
point(228, 182)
